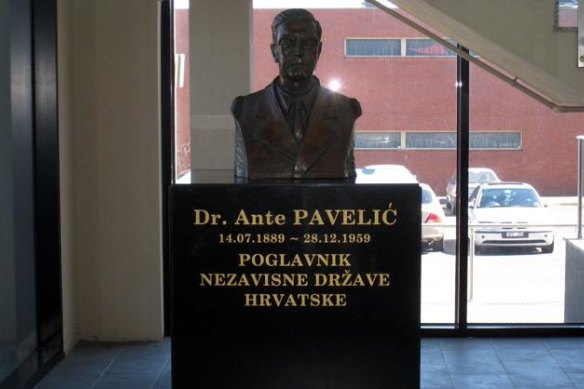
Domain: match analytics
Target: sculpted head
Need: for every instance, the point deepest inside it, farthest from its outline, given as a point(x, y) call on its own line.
point(296, 45)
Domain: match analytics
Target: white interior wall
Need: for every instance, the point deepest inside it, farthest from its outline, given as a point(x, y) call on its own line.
point(110, 170)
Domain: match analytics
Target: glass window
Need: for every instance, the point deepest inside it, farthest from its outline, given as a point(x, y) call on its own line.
point(182, 124)
point(567, 13)
point(478, 140)
point(360, 47)
point(431, 140)
point(390, 103)
point(426, 47)
point(495, 140)
point(518, 226)
point(377, 140)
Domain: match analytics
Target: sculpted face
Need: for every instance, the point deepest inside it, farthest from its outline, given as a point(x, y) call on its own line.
point(296, 50)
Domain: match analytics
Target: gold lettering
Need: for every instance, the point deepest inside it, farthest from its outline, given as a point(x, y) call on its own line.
point(295, 300)
point(204, 217)
point(259, 219)
point(346, 217)
point(299, 216)
point(298, 260)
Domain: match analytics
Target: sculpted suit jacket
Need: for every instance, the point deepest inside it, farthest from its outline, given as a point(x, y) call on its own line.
point(266, 148)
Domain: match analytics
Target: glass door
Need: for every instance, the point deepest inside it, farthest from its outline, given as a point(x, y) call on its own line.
point(30, 288)
point(18, 337)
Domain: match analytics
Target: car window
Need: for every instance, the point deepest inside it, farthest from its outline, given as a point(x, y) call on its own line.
point(509, 197)
point(426, 196)
point(524, 198)
point(480, 177)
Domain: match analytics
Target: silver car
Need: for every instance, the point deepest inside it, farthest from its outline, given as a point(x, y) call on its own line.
point(476, 176)
point(507, 214)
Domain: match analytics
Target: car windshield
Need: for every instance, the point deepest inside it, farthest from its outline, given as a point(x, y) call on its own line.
point(480, 177)
point(509, 197)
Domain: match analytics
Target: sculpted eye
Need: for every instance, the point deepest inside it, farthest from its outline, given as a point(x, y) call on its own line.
point(310, 44)
point(286, 44)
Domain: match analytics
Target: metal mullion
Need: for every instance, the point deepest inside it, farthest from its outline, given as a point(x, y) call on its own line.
point(167, 140)
point(581, 33)
point(462, 162)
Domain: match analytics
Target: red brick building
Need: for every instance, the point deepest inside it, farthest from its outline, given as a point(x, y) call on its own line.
point(416, 93)
point(406, 86)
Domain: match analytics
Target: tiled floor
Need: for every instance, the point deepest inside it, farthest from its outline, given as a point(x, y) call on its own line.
point(446, 363)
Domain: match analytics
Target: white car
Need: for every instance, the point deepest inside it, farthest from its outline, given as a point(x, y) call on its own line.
point(432, 212)
point(507, 214)
point(476, 176)
point(385, 174)
point(432, 219)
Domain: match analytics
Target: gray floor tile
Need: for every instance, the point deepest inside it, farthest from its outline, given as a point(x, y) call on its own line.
point(570, 360)
point(518, 344)
point(164, 380)
point(525, 354)
point(125, 381)
point(445, 364)
point(71, 379)
point(432, 358)
point(430, 344)
point(564, 343)
point(481, 381)
point(577, 379)
point(464, 344)
point(473, 362)
point(140, 358)
point(435, 376)
point(537, 375)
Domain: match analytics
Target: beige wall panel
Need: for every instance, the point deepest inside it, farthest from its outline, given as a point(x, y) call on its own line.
point(220, 47)
point(115, 158)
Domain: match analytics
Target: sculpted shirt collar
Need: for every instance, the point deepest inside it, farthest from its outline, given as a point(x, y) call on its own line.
point(306, 98)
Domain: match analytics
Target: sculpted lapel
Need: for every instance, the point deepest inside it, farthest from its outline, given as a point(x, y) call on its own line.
point(319, 135)
point(272, 131)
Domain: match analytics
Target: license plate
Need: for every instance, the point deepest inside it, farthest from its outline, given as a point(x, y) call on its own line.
point(515, 234)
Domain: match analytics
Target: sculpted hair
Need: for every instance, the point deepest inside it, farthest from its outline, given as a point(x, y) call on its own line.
point(296, 14)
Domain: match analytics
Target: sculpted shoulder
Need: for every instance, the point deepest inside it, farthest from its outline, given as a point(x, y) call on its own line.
point(342, 100)
point(243, 103)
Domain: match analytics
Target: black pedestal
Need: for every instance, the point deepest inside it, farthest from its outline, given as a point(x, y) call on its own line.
point(299, 285)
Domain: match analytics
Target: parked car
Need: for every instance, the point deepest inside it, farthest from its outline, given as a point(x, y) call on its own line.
point(379, 174)
point(512, 209)
point(476, 176)
point(432, 213)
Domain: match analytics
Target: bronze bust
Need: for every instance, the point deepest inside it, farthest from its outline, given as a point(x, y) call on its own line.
point(295, 128)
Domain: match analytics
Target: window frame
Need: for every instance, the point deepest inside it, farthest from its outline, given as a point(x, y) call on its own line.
point(371, 39)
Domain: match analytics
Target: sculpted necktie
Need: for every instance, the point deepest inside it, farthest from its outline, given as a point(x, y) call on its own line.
point(298, 128)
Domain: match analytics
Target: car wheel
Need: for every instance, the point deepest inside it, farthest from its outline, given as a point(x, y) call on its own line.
point(453, 207)
point(548, 249)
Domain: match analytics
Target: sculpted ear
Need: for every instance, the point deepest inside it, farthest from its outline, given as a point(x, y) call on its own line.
point(319, 50)
point(273, 47)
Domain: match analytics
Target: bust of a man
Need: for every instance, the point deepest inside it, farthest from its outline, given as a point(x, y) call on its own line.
point(295, 128)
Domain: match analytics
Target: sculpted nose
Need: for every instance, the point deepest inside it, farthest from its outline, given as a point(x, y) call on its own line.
point(298, 48)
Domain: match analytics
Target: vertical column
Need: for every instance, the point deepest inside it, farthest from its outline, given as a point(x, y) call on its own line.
point(7, 287)
point(220, 69)
point(462, 153)
point(580, 179)
point(581, 33)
